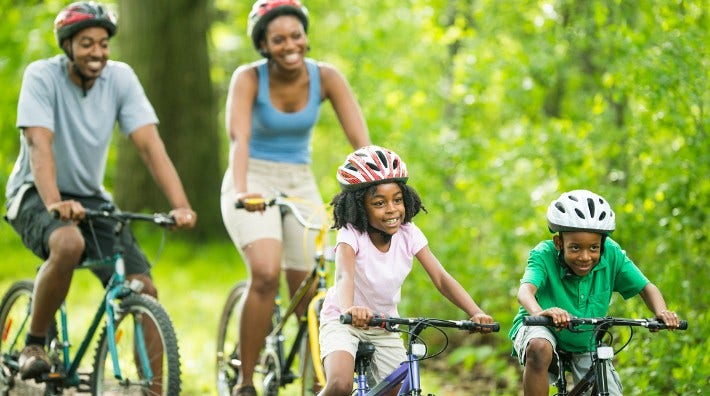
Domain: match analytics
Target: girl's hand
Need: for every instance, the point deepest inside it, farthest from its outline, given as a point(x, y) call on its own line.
point(252, 202)
point(361, 316)
point(482, 318)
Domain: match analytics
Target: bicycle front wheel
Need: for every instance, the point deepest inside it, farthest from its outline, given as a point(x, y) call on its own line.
point(267, 373)
point(228, 362)
point(147, 352)
point(15, 322)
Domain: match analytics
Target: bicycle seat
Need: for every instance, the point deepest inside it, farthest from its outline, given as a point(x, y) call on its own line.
point(365, 350)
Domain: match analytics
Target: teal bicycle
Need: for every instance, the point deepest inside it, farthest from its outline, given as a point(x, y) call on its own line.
point(126, 362)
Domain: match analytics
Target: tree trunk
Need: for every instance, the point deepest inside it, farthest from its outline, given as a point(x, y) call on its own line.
point(165, 41)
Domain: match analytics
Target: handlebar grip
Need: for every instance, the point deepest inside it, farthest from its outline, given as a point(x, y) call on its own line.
point(346, 318)
point(495, 327)
point(240, 204)
point(683, 325)
point(538, 321)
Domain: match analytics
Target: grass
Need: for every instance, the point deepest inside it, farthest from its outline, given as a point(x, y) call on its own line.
point(192, 279)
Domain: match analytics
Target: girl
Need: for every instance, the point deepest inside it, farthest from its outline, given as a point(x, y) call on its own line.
point(375, 245)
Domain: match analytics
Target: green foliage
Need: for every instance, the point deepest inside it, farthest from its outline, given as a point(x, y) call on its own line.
point(497, 107)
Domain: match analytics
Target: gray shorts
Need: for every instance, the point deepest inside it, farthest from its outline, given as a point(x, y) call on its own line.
point(580, 363)
point(267, 178)
point(389, 347)
point(34, 225)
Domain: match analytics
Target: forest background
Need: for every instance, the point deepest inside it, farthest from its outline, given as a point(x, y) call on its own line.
point(497, 107)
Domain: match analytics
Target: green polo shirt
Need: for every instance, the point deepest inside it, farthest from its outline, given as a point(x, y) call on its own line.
point(585, 297)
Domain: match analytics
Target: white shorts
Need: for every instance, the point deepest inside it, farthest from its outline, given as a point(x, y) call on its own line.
point(580, 362)
point(267, 178)
point(389, 347)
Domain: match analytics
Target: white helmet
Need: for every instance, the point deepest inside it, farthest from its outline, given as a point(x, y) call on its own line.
point(581, 210)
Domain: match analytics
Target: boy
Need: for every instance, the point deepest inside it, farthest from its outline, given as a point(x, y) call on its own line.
point(574, 274)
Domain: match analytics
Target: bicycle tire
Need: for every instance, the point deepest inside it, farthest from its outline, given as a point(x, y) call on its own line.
point(135, 310)
point(14, 319)
point(267, 373)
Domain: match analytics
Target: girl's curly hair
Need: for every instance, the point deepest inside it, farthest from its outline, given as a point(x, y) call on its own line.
point(349, 206)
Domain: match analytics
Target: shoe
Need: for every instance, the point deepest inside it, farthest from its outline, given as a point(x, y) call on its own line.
point(245, 390)
point(33, 362)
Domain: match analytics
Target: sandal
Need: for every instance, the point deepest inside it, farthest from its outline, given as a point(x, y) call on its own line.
point(246, 390)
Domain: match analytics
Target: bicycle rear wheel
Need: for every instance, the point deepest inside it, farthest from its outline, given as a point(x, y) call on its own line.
point(15, 322)
point(138, 314)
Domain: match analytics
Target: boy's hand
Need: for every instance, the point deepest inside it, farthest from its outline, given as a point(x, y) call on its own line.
point(482, 318)
point(669, 318)
point(559, 316)
point(361, 316)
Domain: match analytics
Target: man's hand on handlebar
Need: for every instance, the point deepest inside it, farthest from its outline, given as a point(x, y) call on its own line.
point(67, 210)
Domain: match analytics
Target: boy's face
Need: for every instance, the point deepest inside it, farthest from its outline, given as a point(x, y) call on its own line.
point(582, 250)
point(385, 207)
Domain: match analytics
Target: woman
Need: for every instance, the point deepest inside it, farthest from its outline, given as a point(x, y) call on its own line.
point(272, 107)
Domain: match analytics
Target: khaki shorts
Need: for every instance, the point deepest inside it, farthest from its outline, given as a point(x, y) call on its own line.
point(579, 363)
point(269, 178)
point(389, 348)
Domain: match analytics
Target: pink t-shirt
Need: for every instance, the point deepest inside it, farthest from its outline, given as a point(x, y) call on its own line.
point(378, 275)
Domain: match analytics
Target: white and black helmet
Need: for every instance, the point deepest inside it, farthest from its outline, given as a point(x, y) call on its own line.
point(581, 210)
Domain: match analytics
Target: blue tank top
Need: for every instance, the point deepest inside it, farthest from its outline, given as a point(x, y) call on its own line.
point(279, 136)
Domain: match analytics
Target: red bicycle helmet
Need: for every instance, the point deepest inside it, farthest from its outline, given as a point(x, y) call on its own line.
point(371, 165)
point(80, 15)
point(264, 11)
point(581, 210)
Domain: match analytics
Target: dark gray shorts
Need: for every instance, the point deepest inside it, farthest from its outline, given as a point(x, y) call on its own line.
point(34, 225)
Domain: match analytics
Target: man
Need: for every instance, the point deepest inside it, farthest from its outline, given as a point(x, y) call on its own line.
point(67, 110)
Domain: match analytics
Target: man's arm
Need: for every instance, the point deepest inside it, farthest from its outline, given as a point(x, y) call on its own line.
point(44, 170)
point(152, 151)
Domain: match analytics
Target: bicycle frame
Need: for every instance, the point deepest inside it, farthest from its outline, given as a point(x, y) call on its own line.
point(114, 290)
point(308, 324)
point(279, 354)
point(407, 374)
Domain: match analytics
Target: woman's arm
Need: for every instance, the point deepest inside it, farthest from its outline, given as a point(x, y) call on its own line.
point(336, 89)
point(243, 89)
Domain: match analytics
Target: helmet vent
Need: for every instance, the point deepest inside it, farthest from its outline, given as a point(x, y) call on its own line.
point(560, 207)
point(573, 198)
point(590, 203)
point(602, 216)
point(579, 213)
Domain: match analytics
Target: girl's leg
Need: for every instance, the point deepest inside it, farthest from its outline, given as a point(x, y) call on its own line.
point(339, 368)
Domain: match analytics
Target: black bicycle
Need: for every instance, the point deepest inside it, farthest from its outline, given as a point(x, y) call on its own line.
point(282, 350)
point(126, 361)
point(602, 354)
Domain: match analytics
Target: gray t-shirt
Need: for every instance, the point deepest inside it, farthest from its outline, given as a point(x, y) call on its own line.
point(82, 125)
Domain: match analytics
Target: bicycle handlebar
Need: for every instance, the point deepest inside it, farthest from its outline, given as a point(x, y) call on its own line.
point(605, 322)
point(387, 322)
point(284, 202)
point(109, 211)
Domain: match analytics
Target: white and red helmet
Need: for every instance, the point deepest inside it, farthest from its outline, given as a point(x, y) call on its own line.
point(581, 210)
point(371, 165)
